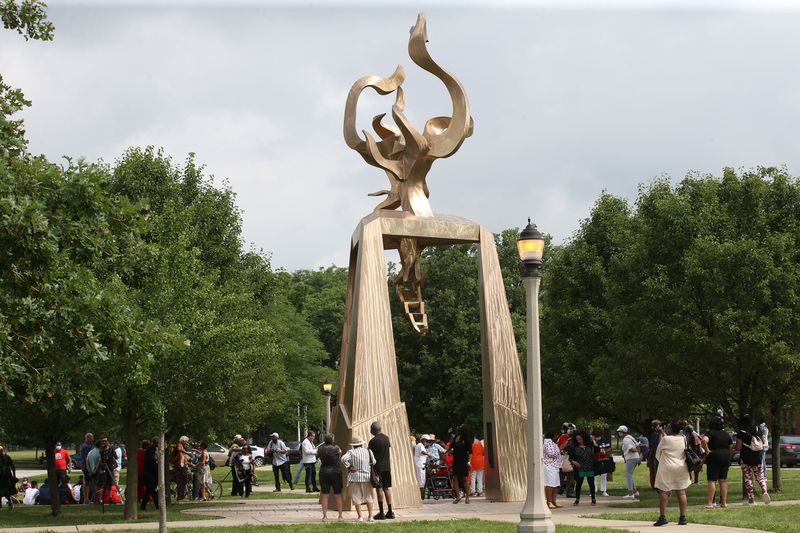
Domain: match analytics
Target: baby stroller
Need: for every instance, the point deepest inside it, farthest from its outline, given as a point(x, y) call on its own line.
point(439, 481)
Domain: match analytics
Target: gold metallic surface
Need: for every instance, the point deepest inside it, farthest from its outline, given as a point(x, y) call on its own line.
point(369, 386)
point(406, 156)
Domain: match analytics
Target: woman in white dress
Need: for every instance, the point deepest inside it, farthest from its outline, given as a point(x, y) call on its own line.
point(673, 474)
point(552, 469)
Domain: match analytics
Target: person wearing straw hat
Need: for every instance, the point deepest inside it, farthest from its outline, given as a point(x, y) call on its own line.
point(358, 461)
point(420, 460)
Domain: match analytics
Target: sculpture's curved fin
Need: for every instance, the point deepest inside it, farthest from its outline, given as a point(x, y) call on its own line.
point(382, 86)
point(415, 143)
point(384, 131)
point(394, 168)
point(443, 141)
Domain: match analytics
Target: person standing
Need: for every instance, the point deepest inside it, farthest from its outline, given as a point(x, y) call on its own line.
point(8, 479)
point(150, 474)
point(63, 463)
point(552, 469)
point(358, 461)
point(603, 453)
point(204, 472)
point(477, 464)
point(581, 454)
point(717, 445)
point(118, 462)
point(632, 458)
point(567, 475)
point(672, 475)
point(652, 462)
point(461, 448)
point(765, 441)
point(748, 443)
point(379, 445)
point(280, 462)
point(420, 461)
point(235, 449)
point(244, 470)
point(330, 475)
point(309, 461)
point(86, 447)
point(180, 464)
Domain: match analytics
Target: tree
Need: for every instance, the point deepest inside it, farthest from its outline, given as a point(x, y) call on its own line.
point(693, 295)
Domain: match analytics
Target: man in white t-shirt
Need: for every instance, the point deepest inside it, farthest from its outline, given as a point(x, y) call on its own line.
point(31, 493)
point(309, 462)
point(280, 461)
point(420, 460)
point(631, 456)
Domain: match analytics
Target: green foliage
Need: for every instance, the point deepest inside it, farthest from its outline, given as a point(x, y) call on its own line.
point(28, 18)
point(693, 296)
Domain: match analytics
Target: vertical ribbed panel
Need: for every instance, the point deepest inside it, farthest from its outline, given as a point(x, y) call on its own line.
point(504, 407)
point(368, 381)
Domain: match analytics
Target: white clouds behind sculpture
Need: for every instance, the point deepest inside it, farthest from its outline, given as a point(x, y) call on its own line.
point(568, 103)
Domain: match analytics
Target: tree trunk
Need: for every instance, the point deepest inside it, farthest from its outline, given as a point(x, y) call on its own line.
point(775, 446)
point(131, 431)
point(52, 479)
point(162, 489)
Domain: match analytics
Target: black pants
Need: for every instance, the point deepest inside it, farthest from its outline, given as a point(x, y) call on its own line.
point(247, 484)
point(285, 471)
point(150, 487)
point(237, 488)
point(579, 482)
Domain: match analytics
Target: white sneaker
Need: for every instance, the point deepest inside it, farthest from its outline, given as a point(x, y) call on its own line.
point(749, 504)
point(636, 494)
point(604, 493)
point(629, 497)
point(766, 497)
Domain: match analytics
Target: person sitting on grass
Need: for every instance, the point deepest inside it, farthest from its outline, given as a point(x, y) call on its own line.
point(31, 493)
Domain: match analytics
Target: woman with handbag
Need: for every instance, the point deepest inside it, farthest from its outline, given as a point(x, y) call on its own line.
point(359, 461)
point(330, 475)
point(581, 455)
point(673, 472)
point(750, 446)
point(552, 466)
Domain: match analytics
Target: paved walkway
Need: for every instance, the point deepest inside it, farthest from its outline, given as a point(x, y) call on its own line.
point(305, 511)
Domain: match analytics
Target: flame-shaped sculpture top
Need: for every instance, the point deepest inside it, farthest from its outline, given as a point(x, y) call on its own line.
point(403, 152)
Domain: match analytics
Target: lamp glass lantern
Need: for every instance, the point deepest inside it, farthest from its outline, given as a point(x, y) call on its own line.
point(530, 245)
point(327, 387)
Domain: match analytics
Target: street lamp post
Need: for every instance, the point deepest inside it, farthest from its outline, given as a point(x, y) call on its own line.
point(326, 390)
point(535, 515)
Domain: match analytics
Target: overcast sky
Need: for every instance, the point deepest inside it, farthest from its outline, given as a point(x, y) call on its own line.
point(566, 102)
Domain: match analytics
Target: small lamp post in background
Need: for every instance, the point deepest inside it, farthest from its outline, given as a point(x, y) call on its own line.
point(326, 390)
point(535, 515)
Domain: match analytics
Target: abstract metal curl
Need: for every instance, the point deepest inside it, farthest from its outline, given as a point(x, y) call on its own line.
point(406, 156)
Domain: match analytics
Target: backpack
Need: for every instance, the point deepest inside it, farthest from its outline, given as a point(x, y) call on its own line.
point(212, 464)
point(755, 443)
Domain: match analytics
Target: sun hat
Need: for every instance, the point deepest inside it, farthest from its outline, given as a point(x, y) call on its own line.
point(425, 437)
point(622, 429)
point(275, 435)
point(357, 442)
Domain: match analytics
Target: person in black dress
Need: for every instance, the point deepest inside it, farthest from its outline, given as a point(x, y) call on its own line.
point(330, 475)
point(717, 445)
point(461, 449)
point(150, 474)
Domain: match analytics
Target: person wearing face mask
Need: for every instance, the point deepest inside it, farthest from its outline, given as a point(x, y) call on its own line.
point(63, 463)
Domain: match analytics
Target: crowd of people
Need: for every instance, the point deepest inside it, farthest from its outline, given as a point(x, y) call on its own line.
point(675, 455)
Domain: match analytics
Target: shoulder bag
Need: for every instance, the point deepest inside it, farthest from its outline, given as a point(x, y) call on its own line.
point(693, 461)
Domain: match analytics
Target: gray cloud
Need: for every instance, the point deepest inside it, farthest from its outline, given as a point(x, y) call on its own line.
point(566, 103)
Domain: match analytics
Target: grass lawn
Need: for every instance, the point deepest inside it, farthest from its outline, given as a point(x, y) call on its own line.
point(697, 493)
point(39, 515)
point(778, 518)
point(429, 526)
point(26, 459)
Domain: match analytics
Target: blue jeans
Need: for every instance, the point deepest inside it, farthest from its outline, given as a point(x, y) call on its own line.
point(311, 474)
point(630, 466)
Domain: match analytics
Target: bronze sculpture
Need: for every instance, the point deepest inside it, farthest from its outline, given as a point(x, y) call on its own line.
point(369, 384)
point(406, 155)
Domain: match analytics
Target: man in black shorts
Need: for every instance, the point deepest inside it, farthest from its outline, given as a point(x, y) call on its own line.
point(379, 445)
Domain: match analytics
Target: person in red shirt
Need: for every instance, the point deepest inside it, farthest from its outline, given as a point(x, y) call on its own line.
point(63, 463)
point(478, 465)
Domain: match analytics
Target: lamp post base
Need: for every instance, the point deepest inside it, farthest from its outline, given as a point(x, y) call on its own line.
point(531, 524)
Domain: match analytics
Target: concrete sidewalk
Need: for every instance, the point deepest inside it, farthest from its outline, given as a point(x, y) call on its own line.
point(307, 511)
